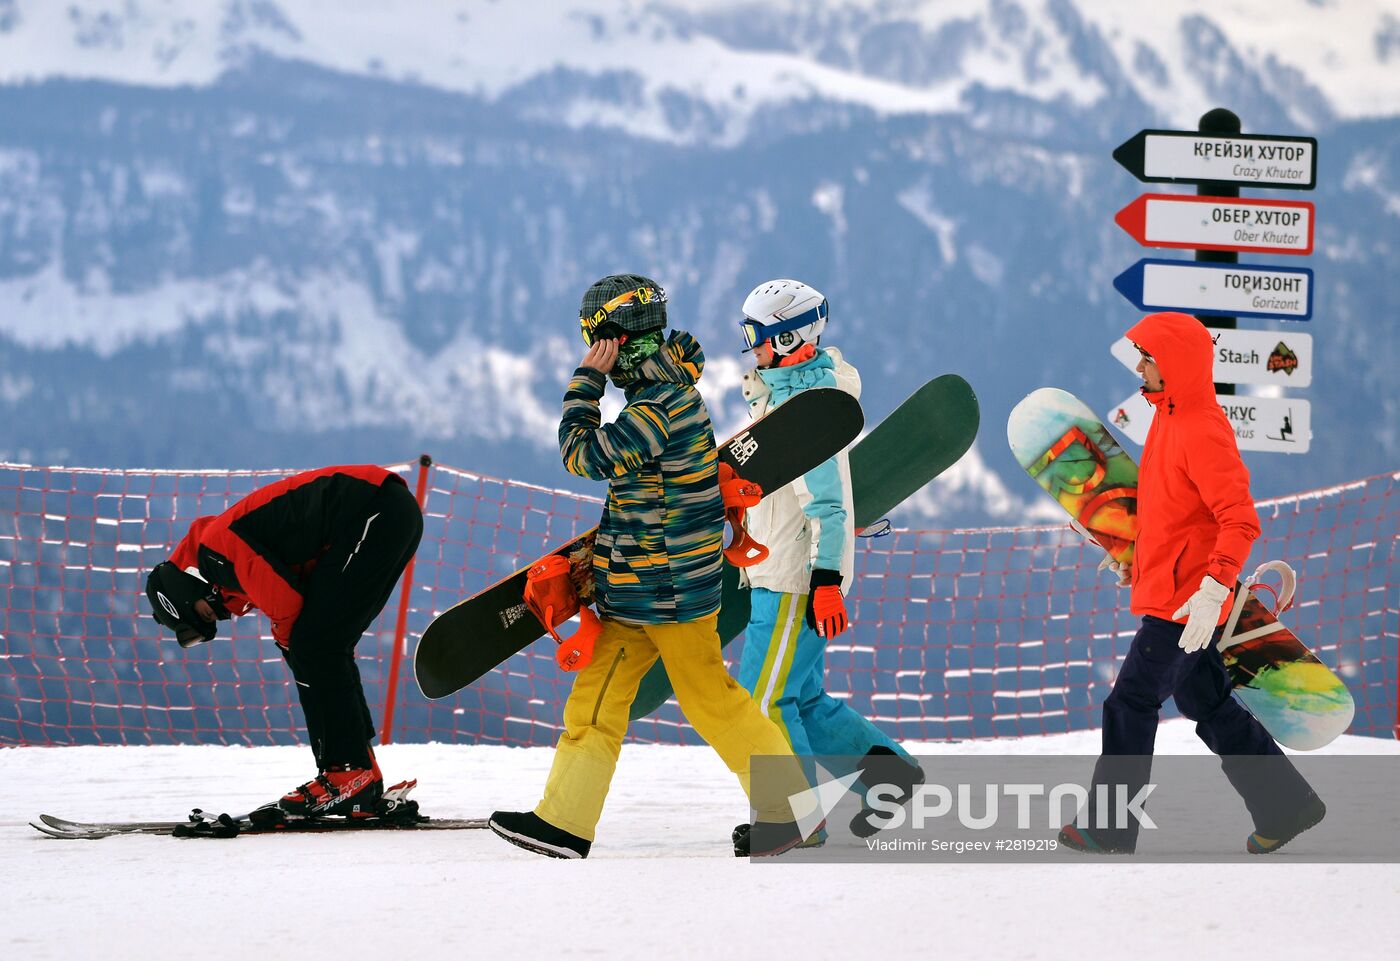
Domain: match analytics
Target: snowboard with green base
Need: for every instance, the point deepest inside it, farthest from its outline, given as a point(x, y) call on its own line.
point(1067, 450)
point(921, 439)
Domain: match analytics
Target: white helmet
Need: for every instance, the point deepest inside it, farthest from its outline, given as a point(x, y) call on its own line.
point(787, 313)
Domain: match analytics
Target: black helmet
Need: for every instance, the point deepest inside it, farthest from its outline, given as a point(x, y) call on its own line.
point(173, 593)
point(630, 303)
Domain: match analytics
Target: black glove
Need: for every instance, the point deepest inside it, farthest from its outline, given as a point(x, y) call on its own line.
point(826, 608)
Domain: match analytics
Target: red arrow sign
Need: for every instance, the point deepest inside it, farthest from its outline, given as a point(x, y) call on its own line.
point(1219, 223)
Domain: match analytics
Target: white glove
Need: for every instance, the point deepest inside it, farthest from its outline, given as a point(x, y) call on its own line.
point(1201, 611)
point(1124, 571)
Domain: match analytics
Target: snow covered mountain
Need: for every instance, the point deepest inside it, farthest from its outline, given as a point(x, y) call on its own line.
point(253, 232)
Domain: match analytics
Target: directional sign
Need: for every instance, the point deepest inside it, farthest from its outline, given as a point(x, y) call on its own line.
point(1278, 424)
point(1219, 223)
point(1182, 156)
point(1227, 290)
point(1249, 357)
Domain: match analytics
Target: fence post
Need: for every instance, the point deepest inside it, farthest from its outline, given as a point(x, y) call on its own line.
point(401, 624)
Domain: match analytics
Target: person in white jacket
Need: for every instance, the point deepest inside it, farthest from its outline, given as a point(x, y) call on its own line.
point(808, 527)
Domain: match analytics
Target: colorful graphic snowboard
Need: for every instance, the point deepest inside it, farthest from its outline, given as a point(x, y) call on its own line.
point(1064, 447)
point(1282, 683)
point(921, 439)
point(474, 637)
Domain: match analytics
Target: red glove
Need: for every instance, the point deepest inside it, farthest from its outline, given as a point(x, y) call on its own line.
point(826, 608)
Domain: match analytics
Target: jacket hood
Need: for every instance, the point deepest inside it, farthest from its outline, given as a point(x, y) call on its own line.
point(1185, 354)
point(679, 361)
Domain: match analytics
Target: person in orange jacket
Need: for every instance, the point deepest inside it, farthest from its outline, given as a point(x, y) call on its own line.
point(1196, 524)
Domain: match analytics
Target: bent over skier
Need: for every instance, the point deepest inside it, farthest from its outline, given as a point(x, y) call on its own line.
point(657, 564)
point(797, 593)
point(319, 553)
point(1196, 523)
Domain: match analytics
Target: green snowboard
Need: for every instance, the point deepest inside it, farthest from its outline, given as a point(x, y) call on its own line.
point(922, 438)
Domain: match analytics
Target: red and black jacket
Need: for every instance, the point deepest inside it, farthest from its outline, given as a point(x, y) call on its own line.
point(260, 551)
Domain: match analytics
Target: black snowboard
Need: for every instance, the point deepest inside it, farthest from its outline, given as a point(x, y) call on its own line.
point(924, 436)
point(474, 637)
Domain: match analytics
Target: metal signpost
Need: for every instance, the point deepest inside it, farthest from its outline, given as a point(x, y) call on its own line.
point(1217, 223)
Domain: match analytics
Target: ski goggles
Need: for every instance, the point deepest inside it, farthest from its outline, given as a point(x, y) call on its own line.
point(592, 324)
point(756, 333)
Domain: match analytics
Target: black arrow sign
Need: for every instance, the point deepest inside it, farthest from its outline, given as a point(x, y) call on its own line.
point(1189, 157)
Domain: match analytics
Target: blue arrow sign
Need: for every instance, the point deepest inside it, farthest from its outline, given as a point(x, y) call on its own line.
point(1226, 290)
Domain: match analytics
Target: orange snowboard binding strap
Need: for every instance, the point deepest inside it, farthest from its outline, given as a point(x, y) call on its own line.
point(739, 495)
point(551, 596)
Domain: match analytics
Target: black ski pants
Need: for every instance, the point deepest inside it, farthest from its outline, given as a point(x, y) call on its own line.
point(1155, 669)
point(350, 585)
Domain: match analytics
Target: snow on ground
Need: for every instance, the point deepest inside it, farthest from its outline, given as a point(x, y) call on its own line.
point(660, 884)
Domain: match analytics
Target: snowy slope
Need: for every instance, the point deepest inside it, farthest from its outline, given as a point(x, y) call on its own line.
point(660, 884)
point(737, 56)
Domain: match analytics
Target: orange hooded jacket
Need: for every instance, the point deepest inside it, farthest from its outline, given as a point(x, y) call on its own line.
point(1195, 512)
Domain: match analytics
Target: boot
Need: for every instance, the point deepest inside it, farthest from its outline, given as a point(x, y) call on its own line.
point(880, 765)
point(339, 789)
point(1308, 815)
point(526, 829)
point(740, 837)
point(764, 839)
point(1079, 839)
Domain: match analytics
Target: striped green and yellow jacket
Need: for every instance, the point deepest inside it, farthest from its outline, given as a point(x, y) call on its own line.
point(658, 558)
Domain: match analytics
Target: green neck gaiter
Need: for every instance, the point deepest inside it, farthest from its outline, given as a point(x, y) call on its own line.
point(638, 349)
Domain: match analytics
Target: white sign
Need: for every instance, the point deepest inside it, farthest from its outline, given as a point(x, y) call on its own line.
point(1249, 357)
point(1244, 160)
point(1229, 290)
point(1225, 224)
point(1278, 424)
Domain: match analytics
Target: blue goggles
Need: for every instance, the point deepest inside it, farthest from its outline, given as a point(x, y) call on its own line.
point(756, 333)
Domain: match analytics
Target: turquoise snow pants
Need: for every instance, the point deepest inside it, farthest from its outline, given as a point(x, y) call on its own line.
point(784, 667)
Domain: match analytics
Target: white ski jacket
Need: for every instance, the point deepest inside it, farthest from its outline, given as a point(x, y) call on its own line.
point(810, 523)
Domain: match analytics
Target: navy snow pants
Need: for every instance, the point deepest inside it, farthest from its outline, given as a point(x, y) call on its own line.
point(1155, 669)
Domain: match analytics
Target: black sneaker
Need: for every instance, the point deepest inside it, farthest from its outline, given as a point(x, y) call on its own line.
point(740, 837)
point(526, 829)
point(883, 766)
point(1312, 811)
point(764, 839)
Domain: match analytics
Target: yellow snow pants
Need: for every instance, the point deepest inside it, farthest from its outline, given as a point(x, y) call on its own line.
point(595, 720)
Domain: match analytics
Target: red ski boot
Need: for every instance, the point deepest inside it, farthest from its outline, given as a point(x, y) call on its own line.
point(354, 792)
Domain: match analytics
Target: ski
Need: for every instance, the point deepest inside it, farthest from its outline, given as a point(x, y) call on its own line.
point(230, 826)
point(395, 812)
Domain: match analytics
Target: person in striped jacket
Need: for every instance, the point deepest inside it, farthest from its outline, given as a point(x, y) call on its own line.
point(657, 563)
